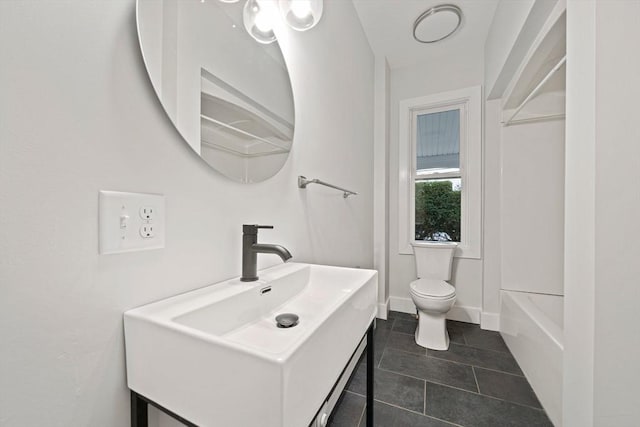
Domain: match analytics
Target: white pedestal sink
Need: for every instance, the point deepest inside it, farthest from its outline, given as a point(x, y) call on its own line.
point(216, 357)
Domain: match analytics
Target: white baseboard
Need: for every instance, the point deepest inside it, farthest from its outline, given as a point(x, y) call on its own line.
point(403, 305)
point(459, 313)
point(464, 314)
point(383, 310)
point(490, 321)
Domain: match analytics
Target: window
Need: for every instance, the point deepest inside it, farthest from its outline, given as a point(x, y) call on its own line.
point(440, 164)
point(437, 178)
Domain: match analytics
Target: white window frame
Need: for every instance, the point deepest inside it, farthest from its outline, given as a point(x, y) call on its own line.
point(469, 101)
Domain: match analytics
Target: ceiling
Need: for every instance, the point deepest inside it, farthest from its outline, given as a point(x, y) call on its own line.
point(388, 25)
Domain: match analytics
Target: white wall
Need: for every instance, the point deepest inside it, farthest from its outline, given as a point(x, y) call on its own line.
point(79, 115)
point(617, 213)
point(532, 207)
point(523, 213)
point(448, 73)
point(602, 338)
point(381, 183)
point(491, 215)
point(579, 256)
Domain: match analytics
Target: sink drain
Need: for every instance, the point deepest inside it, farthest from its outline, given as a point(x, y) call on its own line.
point(287, 320)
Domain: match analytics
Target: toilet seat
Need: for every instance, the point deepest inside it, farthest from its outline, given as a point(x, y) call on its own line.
point(432, 288)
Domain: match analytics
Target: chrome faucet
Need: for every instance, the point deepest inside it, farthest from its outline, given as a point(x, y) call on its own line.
point(251, 248)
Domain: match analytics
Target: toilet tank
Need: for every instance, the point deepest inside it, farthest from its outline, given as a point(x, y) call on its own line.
point(433, 260)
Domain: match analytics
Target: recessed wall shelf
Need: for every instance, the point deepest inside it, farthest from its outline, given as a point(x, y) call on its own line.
point(537, 91)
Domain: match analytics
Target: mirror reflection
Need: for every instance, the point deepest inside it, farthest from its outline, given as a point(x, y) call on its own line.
point(228, 95)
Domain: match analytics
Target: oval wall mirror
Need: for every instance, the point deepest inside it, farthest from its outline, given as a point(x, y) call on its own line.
point(229, 96)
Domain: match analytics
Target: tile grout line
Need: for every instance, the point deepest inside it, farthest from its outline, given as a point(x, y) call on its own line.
point(465, 343)
point(464, 338)
point(494, 398)
point(364, 409)
point(381, 357)
point(469, 364)
point(424, 407)
point(476, 379)
point(482, 348)
point(445, 385)
point(411, 411)
point(501, 372)
point(423, 379)
point(454, 361)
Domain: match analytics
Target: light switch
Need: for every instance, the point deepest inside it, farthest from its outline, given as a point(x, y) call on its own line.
point(130, 221)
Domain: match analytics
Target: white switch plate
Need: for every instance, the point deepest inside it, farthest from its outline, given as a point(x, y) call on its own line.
point(122, 220)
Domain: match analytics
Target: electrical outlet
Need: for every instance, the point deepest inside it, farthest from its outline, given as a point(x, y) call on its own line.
point(147, 213)
point(146, 231)
point(130, 222)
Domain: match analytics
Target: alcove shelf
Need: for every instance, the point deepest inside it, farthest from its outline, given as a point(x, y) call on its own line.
point(537, 91)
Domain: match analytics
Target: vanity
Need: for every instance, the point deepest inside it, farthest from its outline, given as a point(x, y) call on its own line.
point(216, 356)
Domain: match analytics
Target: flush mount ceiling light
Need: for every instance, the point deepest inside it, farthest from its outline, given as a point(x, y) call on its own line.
point(258, 22)
point(437, 23)
point(301, 15)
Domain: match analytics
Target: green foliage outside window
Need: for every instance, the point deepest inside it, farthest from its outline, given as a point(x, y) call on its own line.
point(437, 211)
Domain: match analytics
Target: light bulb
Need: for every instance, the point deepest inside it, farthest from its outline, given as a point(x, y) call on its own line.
point(301, 15)
point(262, 21)
point(258, 22)
point(301, 8)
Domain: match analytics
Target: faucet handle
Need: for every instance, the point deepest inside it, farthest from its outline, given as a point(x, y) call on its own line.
point(253, 228)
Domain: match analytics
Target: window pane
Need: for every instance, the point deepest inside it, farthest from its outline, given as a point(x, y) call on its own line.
point(438, 140)
point(438, 209)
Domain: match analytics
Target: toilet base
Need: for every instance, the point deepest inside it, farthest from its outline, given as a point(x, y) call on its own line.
point(432, 331)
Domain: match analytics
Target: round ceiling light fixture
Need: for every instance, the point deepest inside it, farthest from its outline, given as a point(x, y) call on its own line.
point(437, 23)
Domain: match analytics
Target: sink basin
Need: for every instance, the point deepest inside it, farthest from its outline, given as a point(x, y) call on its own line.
point(216, 357)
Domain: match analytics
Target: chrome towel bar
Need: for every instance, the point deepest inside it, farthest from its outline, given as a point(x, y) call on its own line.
point(303, 182)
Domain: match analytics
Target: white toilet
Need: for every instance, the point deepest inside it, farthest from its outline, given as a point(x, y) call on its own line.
point(431, 294)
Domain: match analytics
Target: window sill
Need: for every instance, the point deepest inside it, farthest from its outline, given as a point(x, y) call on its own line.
point(464, 252)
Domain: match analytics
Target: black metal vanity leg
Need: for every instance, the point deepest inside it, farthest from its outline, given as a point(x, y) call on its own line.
point(139, 413)
point(370, 363)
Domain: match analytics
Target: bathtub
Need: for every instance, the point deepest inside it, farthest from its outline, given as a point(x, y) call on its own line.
point(532, 325)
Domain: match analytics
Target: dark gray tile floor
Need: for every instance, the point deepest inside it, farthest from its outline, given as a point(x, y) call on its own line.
point(476, 383)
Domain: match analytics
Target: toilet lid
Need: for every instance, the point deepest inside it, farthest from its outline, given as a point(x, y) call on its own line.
point(432, 288)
